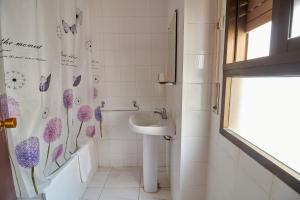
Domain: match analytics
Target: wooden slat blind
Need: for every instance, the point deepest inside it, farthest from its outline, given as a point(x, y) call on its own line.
point(259, 13)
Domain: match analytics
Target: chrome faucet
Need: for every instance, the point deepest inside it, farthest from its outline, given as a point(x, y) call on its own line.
point(162, 112)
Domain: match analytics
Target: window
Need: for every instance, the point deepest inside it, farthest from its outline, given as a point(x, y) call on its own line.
point(261, 84)
point(248, 29)
point(295, 28)
point(259, 41)
point(265, 111)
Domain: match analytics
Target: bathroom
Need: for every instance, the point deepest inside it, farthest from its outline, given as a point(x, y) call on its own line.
point(149, 99)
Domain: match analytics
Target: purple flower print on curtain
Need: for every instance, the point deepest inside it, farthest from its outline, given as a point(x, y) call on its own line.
point(9, 107)
point(68, 103)
point(57, 152)
point(98, 117)
point(95, 93)
point(84, 114)
point(28, 156)
point(51, 133)
point(90, 131)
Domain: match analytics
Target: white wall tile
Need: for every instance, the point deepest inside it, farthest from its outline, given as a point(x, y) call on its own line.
point(197, 68)
point(126, 33)
point(112, 74)
point(111, 7)
point(143, 57)
point(142, 8)
point(158, 90)
point(144, 90)
point(127, 25)
point(159, 42)
point(193, 175)
point(203, 11)
point(246, 189)
point(194, 149)
point(127, 42)
point(111, 41)
point(195, 97)
point(126, 58)
point(111, 58)
point(143, 42)
point(127, 74)
point(143, 74)
point(195, 123)
point(128, 89)
point(159, 8)
point(199, 38)
point(110, 25)
point(143, 25)
point(158, 58)
point(258, 173)
point(159, 25)
point(281, 191)
point(127, 8)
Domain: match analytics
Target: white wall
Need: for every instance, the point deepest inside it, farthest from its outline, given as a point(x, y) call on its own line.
point(233, 175)
point(174, 99)
point(189, 99)
point(130, 43)
point(199, 42)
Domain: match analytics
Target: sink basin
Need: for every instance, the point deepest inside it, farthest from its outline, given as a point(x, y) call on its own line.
point(153, 127)
point(150, 123)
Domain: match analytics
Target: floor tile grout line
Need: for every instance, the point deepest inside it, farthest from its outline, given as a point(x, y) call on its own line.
point(139, 193)
point(103, 187)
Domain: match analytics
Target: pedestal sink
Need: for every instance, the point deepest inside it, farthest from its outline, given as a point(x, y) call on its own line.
point(153, 127)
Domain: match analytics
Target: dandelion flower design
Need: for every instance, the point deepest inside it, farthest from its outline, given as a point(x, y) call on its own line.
point(90, 131)
point(14, 80)
point(84, 114)
point(51, 133)
point(28, 155)
point(57, 152)
point(68, 98)
point(98, 117)
point(68, 103)
point(95, 93)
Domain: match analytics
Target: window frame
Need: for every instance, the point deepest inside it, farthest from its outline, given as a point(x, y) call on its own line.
point(284, 60)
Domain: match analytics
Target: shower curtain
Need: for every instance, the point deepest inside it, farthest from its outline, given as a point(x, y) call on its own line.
point(46, 49)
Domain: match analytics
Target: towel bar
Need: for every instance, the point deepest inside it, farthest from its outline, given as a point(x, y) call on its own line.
point(134, 104)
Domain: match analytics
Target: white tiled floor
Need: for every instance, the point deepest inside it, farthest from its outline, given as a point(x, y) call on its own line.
point(124, 184)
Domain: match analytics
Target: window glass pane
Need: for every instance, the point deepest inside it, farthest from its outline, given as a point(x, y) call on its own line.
point(295, 29)
point(259, 41)
point(266, 112)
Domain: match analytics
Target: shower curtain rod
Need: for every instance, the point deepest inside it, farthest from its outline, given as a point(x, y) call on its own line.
point(134, 104)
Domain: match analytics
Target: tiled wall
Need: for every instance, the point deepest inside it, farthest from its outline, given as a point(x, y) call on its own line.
point(233, 175)
point(199, 45)
point(174, 100)
point(192, 97)
point(130, 47)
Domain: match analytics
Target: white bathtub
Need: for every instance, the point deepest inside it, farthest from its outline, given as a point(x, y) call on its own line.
point(70, 182)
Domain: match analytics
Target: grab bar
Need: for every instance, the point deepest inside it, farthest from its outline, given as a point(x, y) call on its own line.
point(134, 104)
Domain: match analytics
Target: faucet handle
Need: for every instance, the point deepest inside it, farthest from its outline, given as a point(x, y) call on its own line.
point(162, 110)
point(158, 109)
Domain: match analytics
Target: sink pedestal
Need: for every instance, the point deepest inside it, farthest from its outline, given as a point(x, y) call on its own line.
point(150, 162)
point(152, 127)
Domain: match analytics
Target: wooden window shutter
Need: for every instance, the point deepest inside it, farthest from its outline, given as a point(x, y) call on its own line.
point(259, 13)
